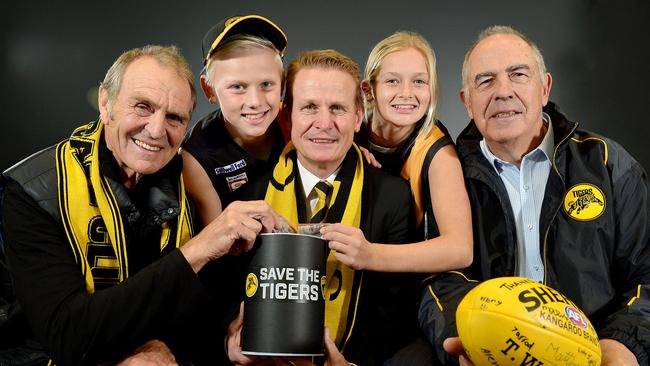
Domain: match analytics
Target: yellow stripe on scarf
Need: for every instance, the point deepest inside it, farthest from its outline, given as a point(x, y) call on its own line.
point(412, 169)
point(90, 212)
point(281, 195)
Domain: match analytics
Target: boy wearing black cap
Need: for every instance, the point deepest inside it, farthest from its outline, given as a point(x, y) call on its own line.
point(243, 74)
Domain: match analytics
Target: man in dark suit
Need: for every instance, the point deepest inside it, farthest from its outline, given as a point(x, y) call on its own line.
point(322, 177)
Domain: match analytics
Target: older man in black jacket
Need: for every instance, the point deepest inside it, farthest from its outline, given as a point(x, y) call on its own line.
point(550, 202)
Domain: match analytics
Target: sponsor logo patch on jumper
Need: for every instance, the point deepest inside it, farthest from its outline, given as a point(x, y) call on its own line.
point(584, 202)
point(236, 181)
point(231, 167)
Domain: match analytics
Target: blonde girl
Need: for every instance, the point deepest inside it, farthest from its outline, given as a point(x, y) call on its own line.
point(401, 92)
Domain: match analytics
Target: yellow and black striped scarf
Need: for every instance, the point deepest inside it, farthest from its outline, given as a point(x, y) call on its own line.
point(90, 211)
point(343, 284)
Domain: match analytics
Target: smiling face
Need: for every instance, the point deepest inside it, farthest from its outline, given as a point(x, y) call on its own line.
point(145, 123)
point(505, 94)
point(247, 85)
point(324, 117)
point(401, 89)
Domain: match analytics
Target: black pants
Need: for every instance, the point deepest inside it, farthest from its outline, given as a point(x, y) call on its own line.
point(417, 353)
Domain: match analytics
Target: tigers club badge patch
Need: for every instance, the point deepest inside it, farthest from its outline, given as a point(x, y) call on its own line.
point(584, 202)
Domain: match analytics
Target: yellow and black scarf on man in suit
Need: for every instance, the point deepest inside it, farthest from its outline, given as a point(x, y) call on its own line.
point(285, 196)
point(90, 211)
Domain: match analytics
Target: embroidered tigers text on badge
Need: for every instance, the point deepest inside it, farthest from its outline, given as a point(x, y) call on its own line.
point(584, 202)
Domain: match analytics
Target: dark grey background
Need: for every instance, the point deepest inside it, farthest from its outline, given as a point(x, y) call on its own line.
point(55, 53)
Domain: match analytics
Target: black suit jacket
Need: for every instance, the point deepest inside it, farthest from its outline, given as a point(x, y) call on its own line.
point(386, 315)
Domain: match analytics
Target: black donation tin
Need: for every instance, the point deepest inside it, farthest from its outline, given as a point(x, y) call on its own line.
point(284, 310)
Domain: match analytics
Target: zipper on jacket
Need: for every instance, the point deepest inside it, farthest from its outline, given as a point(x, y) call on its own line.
point(558, 207)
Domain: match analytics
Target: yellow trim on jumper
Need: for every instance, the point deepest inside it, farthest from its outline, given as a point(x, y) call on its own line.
point(605, 159)
point(431, 289)
point(435, 298)
point(638, 294)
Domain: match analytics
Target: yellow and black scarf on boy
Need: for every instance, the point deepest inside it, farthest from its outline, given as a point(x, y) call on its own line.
point(90, 212)
point(287, 198)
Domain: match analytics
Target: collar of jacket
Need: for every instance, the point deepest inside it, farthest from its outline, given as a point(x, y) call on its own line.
point(476, 166)
point(161, 203)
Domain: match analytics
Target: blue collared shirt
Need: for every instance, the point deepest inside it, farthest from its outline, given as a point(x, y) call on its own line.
point(526, 188)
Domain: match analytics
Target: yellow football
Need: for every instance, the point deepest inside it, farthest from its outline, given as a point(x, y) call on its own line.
point(518, 321)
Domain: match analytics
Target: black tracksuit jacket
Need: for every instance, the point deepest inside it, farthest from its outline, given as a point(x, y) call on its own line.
point(602, 263)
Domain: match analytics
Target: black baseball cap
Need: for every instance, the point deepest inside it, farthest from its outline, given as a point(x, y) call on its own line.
point(250, 24)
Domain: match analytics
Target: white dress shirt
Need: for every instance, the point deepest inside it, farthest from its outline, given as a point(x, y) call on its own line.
point(309, 181)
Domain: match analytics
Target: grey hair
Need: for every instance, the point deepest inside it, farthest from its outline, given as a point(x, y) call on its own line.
point(169, 56)
point(503, 29)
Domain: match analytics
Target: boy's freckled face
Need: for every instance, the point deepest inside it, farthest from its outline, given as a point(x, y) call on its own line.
point(248, 87)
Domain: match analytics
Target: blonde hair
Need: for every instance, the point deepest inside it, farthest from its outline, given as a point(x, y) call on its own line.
point(325, 59)
point(400, 41)
point(235, 44)
point(505, 30)
point(168, 56)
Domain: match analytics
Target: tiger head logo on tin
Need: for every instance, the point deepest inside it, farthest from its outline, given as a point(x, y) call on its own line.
point(251, 284)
